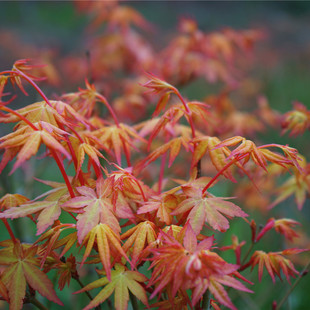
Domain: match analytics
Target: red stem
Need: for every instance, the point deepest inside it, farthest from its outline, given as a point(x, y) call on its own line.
point(7, 225)
point(162, 171)
point(23, 75)
point(142, 192)
point(63, 172)
point(219, 173)
point(59, 163)
point(96, 169)
point(126, 152)
point(80, 176)
point(20, 116)
point(105, 102)
point(188, 111)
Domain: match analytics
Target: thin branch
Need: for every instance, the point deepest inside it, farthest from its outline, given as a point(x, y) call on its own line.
point(301, 274)
point(7, 225)
point(86, 292)
point(134, 301)
point(206, 300)
point(32, 300)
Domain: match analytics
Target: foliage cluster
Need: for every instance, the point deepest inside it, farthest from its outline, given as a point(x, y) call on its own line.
point(144, 200)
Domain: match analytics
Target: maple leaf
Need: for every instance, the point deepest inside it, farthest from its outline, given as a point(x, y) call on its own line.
point(215, 284)
point(174, 145)
point(158, 85)
point(274, 263)
point(51, 241)
point(12, 200)
point(58, 113)
point(127, 185)
point(27, 141)
point(107, 241)
point(48, 210)
point(97, 208)
point(122, 281)
point(139, 237)
point(38, 111)
point(168, 120)
point(91, 151)
point(22, 65)
point(84, 100)
point(297, 120)
point(208, 209)
point(22, 268)
point(298, 185)
point(217, 155)
point(191, 266)
point(118, 137)
point(163, 205)
point(66, 270)
point(282, 226)
point(260, 155)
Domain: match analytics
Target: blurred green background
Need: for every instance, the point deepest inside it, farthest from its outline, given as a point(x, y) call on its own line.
point(284, 76)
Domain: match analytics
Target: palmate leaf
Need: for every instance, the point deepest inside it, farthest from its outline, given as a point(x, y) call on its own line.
point(260, 154)
point(298, 185)
point(139, 237)
point(218, 156)
point(174, 146)
point(118, 138)
point(163, 206)
point(22, 268)
point(107, 241)
point(274, 263)
point(48, 210)
point(191, 265)
point(208, 209)
point(214, 284)
point(27, 141)
point(97, 207)
point(12, 200)
point(91, 151)
point(58, 113)
point(122, 281)
point(38, 111)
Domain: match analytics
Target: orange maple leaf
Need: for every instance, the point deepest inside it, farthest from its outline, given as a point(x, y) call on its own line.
point(121, 282)
point(208, 209)
point(22, 268)
point(27, 141)
point(107, 241)
point(139, 237)
point(274, 263)
point(96, 207)
point(47, 210)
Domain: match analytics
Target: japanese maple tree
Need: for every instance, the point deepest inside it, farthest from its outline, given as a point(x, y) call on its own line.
point(140, 199)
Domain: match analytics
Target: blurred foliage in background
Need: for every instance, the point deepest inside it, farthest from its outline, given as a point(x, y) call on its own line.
point(54, 30)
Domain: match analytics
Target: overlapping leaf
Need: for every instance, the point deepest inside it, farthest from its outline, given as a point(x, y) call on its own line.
point(122, 281)
point(139, 237)
point(108, 244)
point(22, 268)
point(48, 210)
point(97, 208)
point(208, 209)
point(118, 137)
point(218, 156)
point(27, 141)
point(162, 205)
point(274, 262)
point(298, 185)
